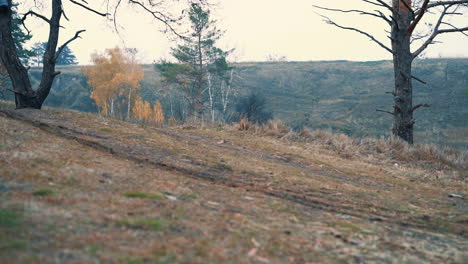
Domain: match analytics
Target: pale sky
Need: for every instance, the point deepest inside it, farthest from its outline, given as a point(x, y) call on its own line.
point(255, 28)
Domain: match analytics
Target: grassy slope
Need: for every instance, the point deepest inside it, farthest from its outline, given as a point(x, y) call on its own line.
point(342, 95)
point(83, 188)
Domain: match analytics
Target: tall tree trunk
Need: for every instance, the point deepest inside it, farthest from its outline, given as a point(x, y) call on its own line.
point(129, 103)
point(402, 60)
point(25, 96)
point(210, 91)
point(112, 108)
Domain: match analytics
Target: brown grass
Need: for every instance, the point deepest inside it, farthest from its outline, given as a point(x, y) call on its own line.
point(386, 149)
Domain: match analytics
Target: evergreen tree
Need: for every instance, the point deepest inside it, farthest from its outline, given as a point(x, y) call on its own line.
point(195, 57)
point(66, 57)
point(20, 36)
point(38, 50)
point(24, 54)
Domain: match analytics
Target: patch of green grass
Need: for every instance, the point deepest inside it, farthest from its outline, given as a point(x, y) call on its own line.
point(93, 249)
point(43, 192)
point(141, 195)
point(106, 129)
point(155, 224)
point(9, 219)
point(348, 226)
point(191, 196)
point(13, 245)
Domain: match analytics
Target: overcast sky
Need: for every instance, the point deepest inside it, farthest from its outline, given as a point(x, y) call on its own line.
point(255, 28)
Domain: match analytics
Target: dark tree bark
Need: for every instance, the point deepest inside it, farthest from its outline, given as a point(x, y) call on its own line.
point(404, 16)
point(402, 62)
point(25, 96)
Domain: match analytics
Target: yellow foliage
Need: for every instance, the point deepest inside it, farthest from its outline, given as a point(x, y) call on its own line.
point(113, 74)
point(142, 110)
point(158, 115)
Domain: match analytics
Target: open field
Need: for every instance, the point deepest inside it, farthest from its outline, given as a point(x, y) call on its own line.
point(79, 188)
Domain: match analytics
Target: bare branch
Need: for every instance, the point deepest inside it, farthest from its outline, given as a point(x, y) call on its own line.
point(461, 30)
point(418, 18)
point(455, 28)
point(419, 106)
point(32, 13)
point(77, 35)
point(417, 79)
point(444, 3)
point(379, 3)
point(385, 111)
point(88, 8)
point(433, 35)
point(160, 17)
point(349, 11)
point(329, 21)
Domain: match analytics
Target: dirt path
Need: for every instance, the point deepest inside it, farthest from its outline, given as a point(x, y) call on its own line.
point(361, 199)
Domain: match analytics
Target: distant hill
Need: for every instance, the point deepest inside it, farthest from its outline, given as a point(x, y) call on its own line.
point(339, 95)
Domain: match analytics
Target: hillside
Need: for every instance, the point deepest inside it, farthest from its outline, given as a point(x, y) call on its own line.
point(341, 96)
point(79, 188)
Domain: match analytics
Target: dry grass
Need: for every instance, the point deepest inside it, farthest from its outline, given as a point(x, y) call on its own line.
point(388, 149)
point(229, 196)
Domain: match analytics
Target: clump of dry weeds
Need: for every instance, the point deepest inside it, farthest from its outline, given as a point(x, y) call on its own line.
point(379, 150)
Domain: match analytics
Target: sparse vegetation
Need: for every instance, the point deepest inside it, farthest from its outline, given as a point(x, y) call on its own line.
point(151, 224)
point(143, 195)
point(263, 193)
point(43, 192)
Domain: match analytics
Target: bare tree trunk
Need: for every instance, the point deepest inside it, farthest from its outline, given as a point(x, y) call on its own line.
point(227, 92)
point(129, 103)
point(210, 93)
point(402, 61)
point(112, 108)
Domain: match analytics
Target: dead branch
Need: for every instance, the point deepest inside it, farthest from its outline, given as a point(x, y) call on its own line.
point(379, 3)
point(349, 11)
point(418, 18)
point(385, 111)
point(419, 106)
point(77, 35)
point(329, 21)
point(433, 35)
point(88, 8)
point(160, 17)
point(417, 79)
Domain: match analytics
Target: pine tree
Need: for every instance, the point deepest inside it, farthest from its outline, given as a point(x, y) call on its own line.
point(24, 54)
point(20, 36)
point(194, 56)
point(66, 57)
point(38, 51)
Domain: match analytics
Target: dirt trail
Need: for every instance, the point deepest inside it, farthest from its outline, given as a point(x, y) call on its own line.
point(293, 177)
point(139, 150)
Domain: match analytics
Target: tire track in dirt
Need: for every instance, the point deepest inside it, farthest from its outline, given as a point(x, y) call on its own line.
point(164, 159)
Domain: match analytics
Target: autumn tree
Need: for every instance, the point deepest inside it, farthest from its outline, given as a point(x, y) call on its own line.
point(405, 18)
point(115, 75)
point(158, 114)
point(142, 110)
point(25, 95)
